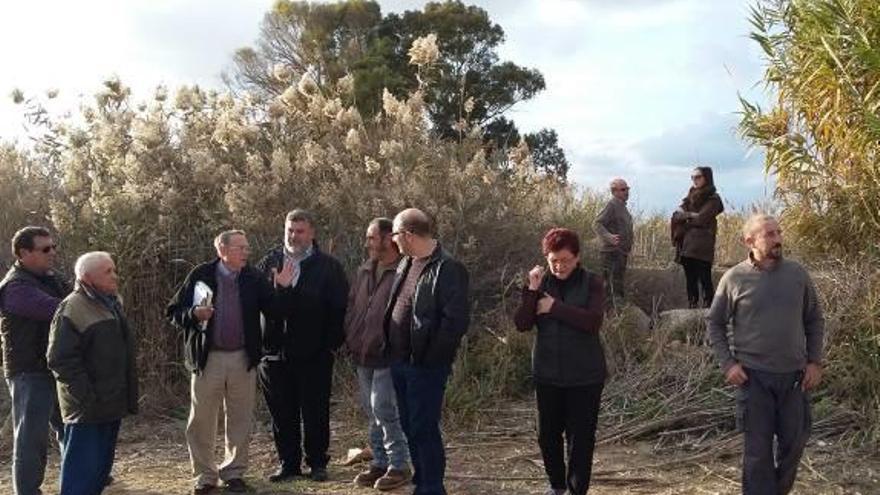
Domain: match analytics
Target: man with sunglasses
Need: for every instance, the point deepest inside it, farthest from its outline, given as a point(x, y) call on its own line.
point(29, 295)
point(614, 227)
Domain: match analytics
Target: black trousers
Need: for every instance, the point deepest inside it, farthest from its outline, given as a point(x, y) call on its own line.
point(698, 274)
point(567, 417)
point(297, 393)
point(772, 406)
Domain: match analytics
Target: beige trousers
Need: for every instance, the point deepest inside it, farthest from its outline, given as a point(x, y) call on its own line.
point(225, 381)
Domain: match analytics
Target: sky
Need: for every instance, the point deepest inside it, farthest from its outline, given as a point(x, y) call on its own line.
point(641, 89)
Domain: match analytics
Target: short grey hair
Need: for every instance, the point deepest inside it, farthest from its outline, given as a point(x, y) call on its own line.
point(224, 237)
point(753, 222)
point(617, 181)
point(89, 261)
point(299, 215)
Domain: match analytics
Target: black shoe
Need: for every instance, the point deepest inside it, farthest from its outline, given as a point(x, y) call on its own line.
point(318, 474)
point(235, 485)
point(284, 474)
point(204, 490)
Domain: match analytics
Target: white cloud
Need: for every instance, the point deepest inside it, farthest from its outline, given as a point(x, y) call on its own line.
point(620, 75)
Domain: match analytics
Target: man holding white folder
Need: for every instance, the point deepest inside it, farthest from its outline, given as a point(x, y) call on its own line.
point(222, 350)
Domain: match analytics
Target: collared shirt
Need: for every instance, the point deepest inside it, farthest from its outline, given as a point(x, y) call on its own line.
point(228, 322)
point(297, 260)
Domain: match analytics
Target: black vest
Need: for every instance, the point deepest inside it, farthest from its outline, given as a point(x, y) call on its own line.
point(25, 340)
point(564, 356)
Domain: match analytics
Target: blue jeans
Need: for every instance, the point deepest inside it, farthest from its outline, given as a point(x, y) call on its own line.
point(34, 409)
point(87, 459)
point(380, 404)
point(420, 402)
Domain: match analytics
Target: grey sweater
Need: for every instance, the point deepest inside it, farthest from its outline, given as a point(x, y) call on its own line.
point(615, 219)
point(775, 318)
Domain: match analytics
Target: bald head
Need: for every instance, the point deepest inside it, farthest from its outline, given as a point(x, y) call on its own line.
point(414, 221)
point(619, 189)
point(414, 233)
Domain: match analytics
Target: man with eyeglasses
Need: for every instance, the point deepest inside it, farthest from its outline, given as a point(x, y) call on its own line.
point(296, 373)
point(614, 226)
point(29, 295)
point(219, 308)
point(426, 317)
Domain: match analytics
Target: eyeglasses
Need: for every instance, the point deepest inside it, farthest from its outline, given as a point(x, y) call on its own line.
point(393, 234)
point(46, 249)
point(622, 189)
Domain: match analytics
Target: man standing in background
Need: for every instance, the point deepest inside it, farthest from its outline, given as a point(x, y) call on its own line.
point(614, 226)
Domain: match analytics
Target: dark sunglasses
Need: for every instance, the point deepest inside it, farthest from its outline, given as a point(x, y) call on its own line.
point(46, 249)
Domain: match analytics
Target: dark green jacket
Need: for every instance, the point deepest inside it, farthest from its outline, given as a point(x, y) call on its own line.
point(92, 355)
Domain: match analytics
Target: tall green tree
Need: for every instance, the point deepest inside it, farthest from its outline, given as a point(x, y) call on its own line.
point(469, 84)
point(821, 136)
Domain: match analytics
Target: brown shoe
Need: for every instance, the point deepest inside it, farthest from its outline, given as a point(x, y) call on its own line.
point(368, 478)
point(392, 479)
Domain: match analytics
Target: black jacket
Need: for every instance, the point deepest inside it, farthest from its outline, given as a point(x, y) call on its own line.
point(314, 312)
point(24, 339)
point(441, 309)
point(92, 355)
point(256, 296)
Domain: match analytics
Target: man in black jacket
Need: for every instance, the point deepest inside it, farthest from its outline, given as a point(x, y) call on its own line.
point(296, 372)
point(29, 294)
point(427, 315)
point(218, 307)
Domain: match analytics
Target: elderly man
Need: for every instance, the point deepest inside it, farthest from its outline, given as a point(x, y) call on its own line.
point(219, 307)
point(774, 356)
point(92, 354)
point(365, 338)
point(29, 294)
point(426, 318)
point(297, 371)
point(614, 227)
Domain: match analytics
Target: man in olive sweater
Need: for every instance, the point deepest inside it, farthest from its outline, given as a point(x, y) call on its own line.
point(774, 355)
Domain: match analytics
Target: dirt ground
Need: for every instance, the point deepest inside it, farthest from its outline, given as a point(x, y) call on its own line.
point(499, 456)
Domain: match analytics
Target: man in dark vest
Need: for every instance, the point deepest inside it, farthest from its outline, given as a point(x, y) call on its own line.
point(29, 294)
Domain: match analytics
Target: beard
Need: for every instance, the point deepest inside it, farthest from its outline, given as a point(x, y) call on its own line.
point(775, 252)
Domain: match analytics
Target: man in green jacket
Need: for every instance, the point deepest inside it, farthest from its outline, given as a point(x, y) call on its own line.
point(92, 355)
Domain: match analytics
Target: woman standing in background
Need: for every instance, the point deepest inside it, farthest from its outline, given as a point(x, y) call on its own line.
point(694, 228)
